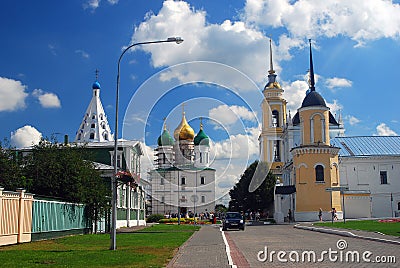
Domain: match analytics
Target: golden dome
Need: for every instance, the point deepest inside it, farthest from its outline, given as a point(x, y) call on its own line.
point(184, 131)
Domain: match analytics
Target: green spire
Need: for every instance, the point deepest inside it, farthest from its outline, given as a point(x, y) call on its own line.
point(165, 139)
point(201, 137)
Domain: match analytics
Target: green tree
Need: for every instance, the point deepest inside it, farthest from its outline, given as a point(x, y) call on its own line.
point(262, 198)
point(11, 172)
point(63, 171)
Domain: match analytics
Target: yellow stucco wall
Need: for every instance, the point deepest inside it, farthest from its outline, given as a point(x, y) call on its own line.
point(311, 195)
point(316, 114)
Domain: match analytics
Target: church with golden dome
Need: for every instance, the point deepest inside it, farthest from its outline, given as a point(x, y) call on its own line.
point(182, 181)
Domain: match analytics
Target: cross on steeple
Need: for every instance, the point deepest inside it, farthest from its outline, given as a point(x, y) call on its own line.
point(97, 74)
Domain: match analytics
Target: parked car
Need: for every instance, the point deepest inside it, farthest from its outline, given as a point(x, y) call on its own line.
point(233, 220)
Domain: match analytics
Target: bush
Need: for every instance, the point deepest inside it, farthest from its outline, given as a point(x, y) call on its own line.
point(154, 217)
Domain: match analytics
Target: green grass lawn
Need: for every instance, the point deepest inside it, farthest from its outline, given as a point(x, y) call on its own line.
point(369, 225)
point(150, 247)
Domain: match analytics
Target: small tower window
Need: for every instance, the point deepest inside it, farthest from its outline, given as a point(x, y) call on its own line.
point(275, 118)
point(183, 180)
point(383, 175)
point(79, 136)
point(398, 206)
point(202, 180)
point(93, 116)
point(93, 125)
point(91, 136)
point(319, 173)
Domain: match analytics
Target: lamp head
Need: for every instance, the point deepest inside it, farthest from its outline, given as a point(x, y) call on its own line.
point(177, 40)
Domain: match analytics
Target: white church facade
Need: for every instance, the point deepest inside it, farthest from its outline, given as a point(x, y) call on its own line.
point(183, 181)
point(95, 134)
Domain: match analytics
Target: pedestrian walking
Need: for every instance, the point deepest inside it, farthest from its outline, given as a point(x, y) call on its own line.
point(320, 214)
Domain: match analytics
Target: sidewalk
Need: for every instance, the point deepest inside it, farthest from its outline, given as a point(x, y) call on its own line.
point(205, 248)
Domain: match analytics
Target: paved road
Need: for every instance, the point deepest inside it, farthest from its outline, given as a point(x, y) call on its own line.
point(254, 246)
point(295, 241)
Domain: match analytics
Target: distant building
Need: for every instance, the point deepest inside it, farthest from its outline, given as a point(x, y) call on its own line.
point(318, 167)
point(182, 177)
point(94, 131)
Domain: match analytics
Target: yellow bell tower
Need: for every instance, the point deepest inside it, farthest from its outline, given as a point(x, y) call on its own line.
point(274, 119)
point(315, 161)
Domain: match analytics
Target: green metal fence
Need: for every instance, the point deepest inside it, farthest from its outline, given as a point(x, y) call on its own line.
point(54, 218)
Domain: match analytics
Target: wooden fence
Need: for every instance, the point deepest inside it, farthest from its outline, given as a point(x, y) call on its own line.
point(15, 217)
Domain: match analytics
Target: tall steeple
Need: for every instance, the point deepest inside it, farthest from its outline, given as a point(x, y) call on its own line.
point(271, 73)
point(312, 80)
point(94, 126)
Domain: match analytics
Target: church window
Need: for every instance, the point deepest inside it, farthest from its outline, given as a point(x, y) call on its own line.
point(93, 116)
point(162, 199)
point(201, 158)
point(101, 116)
point(398, 206)
point(202, 180)
point(203, 199)
point(277, 157)
point(93, 125)
point(319, 173)
point(162, 181)
point(79, 136)
point(91, 136)
point(275, 118)
point(183, 180)
point(103, 125)
point(183, 198)
point(106, 137)
point(383, 175)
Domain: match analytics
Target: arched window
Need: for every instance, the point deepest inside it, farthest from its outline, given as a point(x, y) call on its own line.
point(93, 125)
point(275, 118)
point(91, 136)
point(202, 180)
point(79, 136)
point(93, 116)
point(183, 180)
point(319, 173)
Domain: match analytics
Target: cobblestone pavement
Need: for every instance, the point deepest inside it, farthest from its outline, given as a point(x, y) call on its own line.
point(268, 238)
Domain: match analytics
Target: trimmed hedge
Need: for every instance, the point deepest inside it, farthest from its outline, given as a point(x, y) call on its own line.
point(154, 218)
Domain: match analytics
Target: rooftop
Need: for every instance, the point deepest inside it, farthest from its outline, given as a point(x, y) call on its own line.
point(359, 146)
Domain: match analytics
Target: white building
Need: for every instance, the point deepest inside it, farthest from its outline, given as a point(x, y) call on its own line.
point(94, 131)
point(183, 178)
point(370, 168)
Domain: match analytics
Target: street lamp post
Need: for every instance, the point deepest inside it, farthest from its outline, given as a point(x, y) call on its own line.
point(113, 233)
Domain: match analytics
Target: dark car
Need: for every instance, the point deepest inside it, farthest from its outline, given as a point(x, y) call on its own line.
point(233, 220)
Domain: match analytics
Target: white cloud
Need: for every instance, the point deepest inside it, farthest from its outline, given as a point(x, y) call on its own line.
point(47, 100)
point(383, 130)
point(12, 94)
point(231, 43)
point(335, 107)
point(91, 4)
point(52, 49)
point(294, 93)
point(25, 136)
point(229, 115)
point(338, 82)
point(83, 53)
point(360, 20)
point(241, 146)
point(352, 120)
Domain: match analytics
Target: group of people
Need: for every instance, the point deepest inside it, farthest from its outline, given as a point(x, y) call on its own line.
point(333, 213)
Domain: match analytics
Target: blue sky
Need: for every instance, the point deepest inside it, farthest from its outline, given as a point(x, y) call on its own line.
point(51, 49)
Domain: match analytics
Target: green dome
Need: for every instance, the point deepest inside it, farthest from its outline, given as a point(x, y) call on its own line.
point(201, 138)
point(165, 139)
